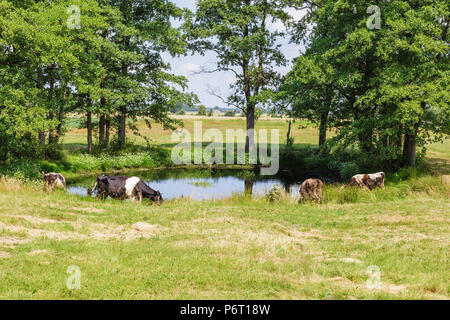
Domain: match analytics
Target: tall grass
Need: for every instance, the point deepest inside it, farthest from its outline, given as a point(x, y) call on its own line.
point(429, 185)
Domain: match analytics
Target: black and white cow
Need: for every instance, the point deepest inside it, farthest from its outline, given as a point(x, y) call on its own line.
point(119, 187)
point(53, 180)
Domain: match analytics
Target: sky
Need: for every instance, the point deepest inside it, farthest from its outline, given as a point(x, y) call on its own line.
point(201, 84)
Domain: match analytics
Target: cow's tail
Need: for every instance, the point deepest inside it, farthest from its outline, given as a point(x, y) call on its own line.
point(91, 191)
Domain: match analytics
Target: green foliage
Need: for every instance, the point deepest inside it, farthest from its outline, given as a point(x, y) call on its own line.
point(275, 194)
point(22, 169)
point(347, 170)
point(239, 33)
point(384, 90)
point(201, 110)
point(111, 65)
point(230, 113)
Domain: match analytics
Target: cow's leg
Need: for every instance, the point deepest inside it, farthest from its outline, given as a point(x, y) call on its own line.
point(139, 197)
point(303, 196)
point(316, 196)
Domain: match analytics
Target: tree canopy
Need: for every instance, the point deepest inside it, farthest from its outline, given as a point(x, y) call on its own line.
point(384, 83)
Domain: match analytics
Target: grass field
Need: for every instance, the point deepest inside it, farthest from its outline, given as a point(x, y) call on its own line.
point(237, 248)
point(230, 249)
point(303, 132)
point(75, 139)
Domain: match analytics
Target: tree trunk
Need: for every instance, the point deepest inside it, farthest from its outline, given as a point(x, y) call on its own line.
point(409, 149)
point(412, 155)
point(248, 187)
point(107, 130)
point(123, 112)
point(250, 139)
point(122, 125)
point(41, 133)
point(288, 134)
point(101, 129)
point(323, 128)
point(89, 130)
point(59, 128)
point(51, 114)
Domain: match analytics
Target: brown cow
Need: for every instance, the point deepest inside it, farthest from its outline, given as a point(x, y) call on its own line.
point(369, 181)
point(311, 189)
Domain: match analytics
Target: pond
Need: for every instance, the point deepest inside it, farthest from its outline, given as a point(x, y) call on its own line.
point(206, 184)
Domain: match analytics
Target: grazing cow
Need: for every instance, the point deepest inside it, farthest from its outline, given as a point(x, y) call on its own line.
point(369, 181)
point(119, 187)
point(53, 180)
point(311, 189)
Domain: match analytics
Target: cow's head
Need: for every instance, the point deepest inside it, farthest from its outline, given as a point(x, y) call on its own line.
point(49, 180)
point(157, 197)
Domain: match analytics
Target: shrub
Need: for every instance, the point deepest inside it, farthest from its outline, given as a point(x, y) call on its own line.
point(348, 170)
point(275, 194)
point(230, 113)
point(201, 110)
point(22, 169)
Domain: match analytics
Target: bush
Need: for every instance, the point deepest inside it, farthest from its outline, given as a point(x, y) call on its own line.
point(22, 169)
point(230, 113)
point(348, 170)
point(201, 110)
point(275, 194)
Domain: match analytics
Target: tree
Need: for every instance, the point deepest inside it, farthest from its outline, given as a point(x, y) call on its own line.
point(42, 64)
point(110, 65)
point(237, 32)
point(308, 92)
point(145, 86)
point(201, 110)
point(387, 87)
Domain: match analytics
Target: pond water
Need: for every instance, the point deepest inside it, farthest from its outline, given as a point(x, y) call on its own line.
point(202, 184)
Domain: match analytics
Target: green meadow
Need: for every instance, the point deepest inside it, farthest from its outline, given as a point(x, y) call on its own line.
point(235, 248)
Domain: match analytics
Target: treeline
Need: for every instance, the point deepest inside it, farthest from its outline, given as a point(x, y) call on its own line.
point(97, 58)
point(381, 80)
point(377, 75)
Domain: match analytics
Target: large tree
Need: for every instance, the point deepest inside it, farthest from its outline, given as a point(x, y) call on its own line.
point(145, 85)
point(106, 61)
point(238, 32)
point(388, 81)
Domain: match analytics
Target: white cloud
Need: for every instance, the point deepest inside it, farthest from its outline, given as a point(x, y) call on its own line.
point(294, 13)
point(188, 68)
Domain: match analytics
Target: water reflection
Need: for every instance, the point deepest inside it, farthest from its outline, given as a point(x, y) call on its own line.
point(202, 184)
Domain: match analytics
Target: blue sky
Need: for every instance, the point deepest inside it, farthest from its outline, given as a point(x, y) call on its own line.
point(218, 81)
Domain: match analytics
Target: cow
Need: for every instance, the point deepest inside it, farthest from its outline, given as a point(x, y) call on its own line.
point(369, 181)
point(53, 180)
point(311, 189)
point(119, 187)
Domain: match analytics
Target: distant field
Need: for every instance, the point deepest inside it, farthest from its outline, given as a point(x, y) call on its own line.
point(304, 133)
